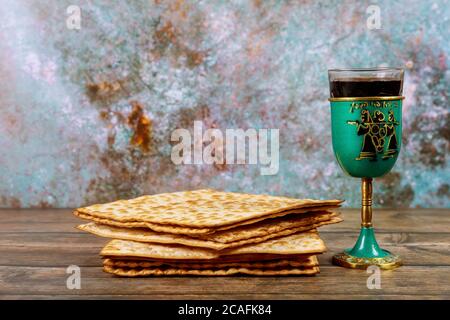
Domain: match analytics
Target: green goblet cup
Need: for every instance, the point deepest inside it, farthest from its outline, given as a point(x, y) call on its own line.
point(366, 120)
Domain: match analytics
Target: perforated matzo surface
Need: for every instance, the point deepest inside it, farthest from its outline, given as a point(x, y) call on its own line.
point(300, 243)
point(198, 209)
point(146, 235)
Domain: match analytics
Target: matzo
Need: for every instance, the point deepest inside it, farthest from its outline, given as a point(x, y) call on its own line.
point(309, 261)
point(270, 226)
point(145, 235)
point(300, 243)
point(144, 272)
point(192, 231)
point(198, 209)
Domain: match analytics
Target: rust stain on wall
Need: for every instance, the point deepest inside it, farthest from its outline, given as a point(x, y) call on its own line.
point(167, 39)
point(103, 90)
point(11, 202)
point(141, 126)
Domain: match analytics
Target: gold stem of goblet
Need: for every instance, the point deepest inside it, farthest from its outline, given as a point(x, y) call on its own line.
point(366, 203)
point(366, 251)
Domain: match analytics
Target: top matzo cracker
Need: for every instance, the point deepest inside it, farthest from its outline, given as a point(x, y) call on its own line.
point(199, 208)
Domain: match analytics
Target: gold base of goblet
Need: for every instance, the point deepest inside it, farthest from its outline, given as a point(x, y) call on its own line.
point(389, 262)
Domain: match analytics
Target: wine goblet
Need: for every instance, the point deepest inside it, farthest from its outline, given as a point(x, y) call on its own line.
point(366, 121)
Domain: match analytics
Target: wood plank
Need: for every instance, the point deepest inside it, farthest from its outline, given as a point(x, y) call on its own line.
point(37, 245)
point(406, 281)
point(401, 220)
point(50, 249)
point(63, 249)
point(385, 220)
point(38, 220)
point(416, 249)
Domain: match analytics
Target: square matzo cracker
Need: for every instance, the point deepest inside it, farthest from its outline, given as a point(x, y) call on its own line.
point(198, 209)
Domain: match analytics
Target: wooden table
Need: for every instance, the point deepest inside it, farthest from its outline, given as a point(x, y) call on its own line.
point(37, 246)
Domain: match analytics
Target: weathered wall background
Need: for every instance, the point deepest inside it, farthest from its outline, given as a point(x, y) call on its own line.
point(69, 135)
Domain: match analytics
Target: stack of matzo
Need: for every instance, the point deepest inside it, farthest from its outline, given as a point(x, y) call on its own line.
point(208, 232)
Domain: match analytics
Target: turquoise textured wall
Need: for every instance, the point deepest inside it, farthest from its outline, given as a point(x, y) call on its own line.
point(86, 115)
